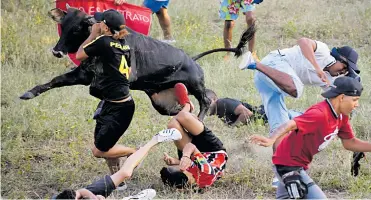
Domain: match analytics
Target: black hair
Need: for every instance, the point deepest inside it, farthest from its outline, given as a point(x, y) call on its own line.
point(173, 177)
point(66, 194)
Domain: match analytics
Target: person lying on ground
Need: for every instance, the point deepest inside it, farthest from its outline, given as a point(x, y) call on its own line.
point(202, 156)
point(105, 186)
point(233, 111)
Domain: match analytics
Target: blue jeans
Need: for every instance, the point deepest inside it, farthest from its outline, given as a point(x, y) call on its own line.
point(272, 96)
point(314, 192)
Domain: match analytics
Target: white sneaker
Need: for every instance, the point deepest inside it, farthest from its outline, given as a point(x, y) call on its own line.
point(147, 194)
point(247, 59)
point(168, 135)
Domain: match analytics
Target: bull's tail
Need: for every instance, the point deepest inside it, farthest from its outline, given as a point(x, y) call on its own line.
point(247, 35)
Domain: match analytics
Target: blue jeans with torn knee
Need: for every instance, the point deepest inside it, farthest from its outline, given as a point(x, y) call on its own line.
point(272, 96)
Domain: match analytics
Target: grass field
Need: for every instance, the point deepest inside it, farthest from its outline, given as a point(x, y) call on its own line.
point(45, 142)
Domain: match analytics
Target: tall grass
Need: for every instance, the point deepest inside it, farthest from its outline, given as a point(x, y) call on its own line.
point(46, 142)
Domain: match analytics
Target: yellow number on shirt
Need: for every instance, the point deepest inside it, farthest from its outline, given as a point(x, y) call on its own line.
point(124, 68)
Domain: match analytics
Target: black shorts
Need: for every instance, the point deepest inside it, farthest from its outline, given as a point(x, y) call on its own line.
point(112, 122)
point(206, 141)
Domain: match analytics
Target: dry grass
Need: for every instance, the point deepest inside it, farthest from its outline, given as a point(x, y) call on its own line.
point(45, 142)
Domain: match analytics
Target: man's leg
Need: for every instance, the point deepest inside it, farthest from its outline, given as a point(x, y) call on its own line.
point(229, 17)
point(127, 169)
point(227, 33)
point(165, 23)
point(113, 156)
point(314, 191)
point(114, 152)
point(106, 185)
point(273, 101)
point(111, 123)
point(283, 79)
point(185, 120)
point(250, 20)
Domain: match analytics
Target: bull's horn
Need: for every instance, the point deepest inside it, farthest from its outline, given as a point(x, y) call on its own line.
point(67, 6)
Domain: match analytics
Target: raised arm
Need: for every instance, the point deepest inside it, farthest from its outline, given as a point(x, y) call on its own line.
point(95, 32)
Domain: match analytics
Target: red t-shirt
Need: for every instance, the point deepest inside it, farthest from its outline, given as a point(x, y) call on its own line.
point(316, 128)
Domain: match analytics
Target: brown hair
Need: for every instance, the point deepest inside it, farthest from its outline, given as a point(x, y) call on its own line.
point(121, 34)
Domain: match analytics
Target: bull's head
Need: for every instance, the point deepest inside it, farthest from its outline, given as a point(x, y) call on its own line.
point(75, 26)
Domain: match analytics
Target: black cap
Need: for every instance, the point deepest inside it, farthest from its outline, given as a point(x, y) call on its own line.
point(344, 85)
point(112, 18)
point(348, 55)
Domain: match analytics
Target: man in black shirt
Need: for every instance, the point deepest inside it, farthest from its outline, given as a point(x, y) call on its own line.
point(110, 84)
point(232, 111)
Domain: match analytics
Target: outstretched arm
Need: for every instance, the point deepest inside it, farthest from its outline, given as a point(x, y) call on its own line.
point(126, 170)
point(356, 144)
point(276, 136)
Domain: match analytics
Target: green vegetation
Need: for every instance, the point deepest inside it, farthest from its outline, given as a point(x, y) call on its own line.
point(45, 142)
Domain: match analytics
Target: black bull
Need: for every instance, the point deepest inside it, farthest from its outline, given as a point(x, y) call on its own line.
point(155, 66)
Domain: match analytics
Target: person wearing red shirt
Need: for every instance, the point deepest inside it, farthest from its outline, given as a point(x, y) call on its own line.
point(310, 133)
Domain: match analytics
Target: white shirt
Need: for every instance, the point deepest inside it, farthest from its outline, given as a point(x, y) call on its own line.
point(304, 69)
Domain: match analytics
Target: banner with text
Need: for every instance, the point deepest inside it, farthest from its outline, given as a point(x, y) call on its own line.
point(136, 17)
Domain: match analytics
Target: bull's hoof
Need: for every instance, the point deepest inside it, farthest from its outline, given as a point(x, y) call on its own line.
point(27, 96)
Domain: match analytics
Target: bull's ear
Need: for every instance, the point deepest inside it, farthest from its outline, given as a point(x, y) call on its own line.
point(57, 14)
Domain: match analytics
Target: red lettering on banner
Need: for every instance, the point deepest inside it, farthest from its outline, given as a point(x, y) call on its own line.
point(91, 11)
